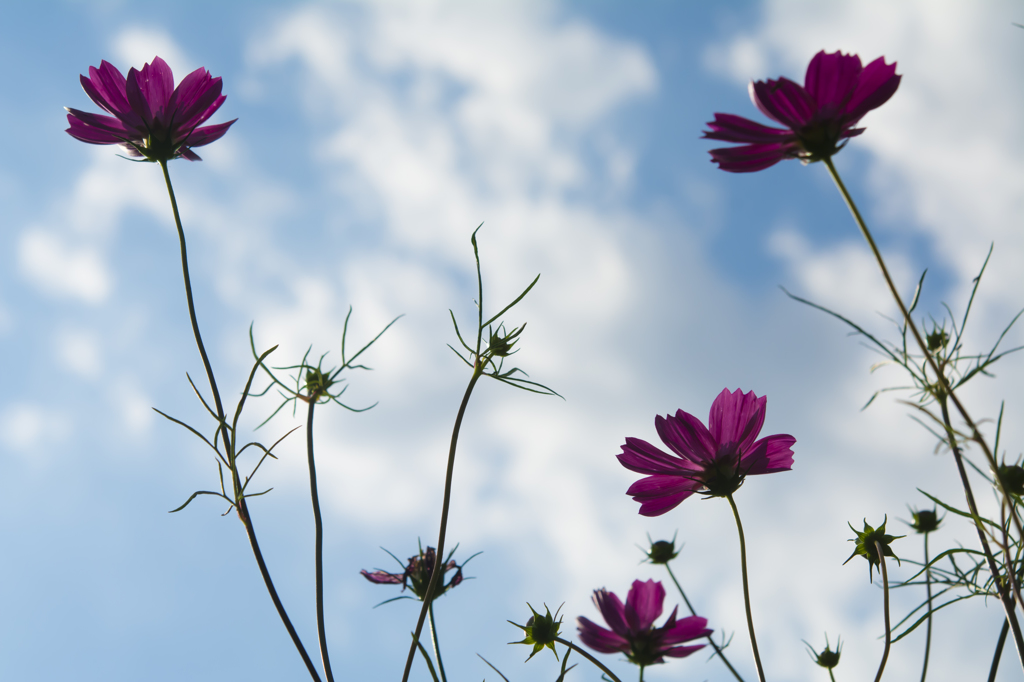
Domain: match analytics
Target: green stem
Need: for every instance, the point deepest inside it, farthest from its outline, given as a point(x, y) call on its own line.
point(999, 651)
point(240, 505)
point(943, 382)
point(436, 577)
point(318, 544)
point(928, 590)
point(746, 589)
point(885, 608)
point(641, 674)
point(437, 645)
point(601, 666)
point(711, 641)
point(1005, 597)
point(831, 676)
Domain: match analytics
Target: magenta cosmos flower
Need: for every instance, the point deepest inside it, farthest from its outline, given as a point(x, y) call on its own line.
point(819, 116)
point(151, 118)
point(713, 459)
point(632, 626)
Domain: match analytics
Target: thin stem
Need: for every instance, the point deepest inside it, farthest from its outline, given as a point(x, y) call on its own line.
point(601, 666)
point(710, 639)
point(641, 674)
point(943, 382)
point(319, 543)
point(191, 305)
point(999, 651)
point(746, 589)
point(831, 676)
point(1004, 594)
point(435, 577)
point(437, 645)
point(240, 505)
point(928, 590)
point(885, 608)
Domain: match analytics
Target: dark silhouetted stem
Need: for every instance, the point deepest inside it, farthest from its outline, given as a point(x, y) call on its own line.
point(746, 589)
point(601, 666)
point(711, 641)
point(436, 576)
point(437, 645)
point(243, 511)
point(319, 543)
point(940, 377)
point(928, 591)
point(885, 608)
point(1005, 597)
point(999, 651)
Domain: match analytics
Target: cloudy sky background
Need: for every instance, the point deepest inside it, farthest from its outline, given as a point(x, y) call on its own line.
point(371, 140)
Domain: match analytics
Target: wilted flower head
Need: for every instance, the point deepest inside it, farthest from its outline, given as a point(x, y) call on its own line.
point(632, 626)
point(541, 631)
point(713, 459)
point(867, 548)
point(151, 118)
point(819, 116)
point(416, 575)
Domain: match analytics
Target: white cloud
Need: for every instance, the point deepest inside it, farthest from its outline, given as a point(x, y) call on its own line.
point(79, 351)
point(60, 269)
point(138, 45)
point(22, 426)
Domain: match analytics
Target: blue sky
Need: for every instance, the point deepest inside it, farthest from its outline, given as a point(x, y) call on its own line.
point(372, 139)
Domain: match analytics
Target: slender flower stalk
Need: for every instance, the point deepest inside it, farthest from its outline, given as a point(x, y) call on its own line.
point(746, 589)
point(880, 548)
point(228, 440)
point(484, 361)
point(437, 644)
point(944, 392)
point(319, 543)
point(583, 652)
point(711, 640)
point(928, 592)
point(999, 651)
point(435, 576)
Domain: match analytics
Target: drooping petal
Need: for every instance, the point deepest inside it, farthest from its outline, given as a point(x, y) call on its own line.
point(831, 80)
point(876, 84)
point(107, 124)
point(736, 417)
point(682, 651)
point(691, 627)
point(599, 638)
point(383, 577)
point(644, 604)
point(207, 134)
point(751, 157)
point(642, 457)
point(660, 494)
point(732, 128)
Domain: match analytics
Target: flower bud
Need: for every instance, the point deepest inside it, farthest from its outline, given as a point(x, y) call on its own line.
point(868, 543)
point(541, 631)
point(662, 551)
point(826, 659)
point(1012, 476)
point(925, 520)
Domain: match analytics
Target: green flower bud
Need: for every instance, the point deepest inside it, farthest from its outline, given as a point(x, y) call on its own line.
point(662, 551)
point(866, 544)
point(541, 631)
point(1012, 476)
point(925, 520)
point(937, 340)
point(827, 658)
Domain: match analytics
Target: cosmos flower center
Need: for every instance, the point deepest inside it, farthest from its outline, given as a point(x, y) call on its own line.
point(645, 648)
point(722, 476)
point(818, 138)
